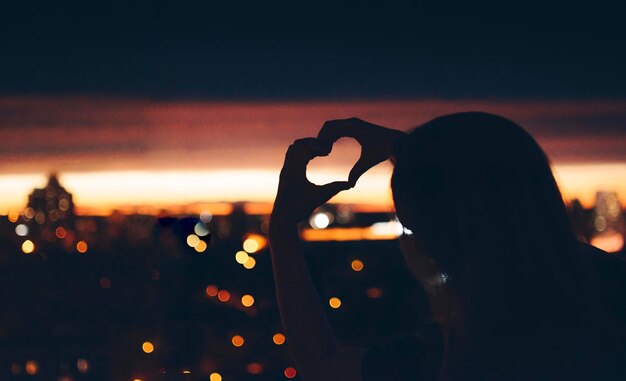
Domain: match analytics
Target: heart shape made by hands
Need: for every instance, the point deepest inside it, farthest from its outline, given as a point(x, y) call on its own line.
point(335, 166)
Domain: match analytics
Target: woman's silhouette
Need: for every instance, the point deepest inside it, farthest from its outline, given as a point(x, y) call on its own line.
point(513, 294)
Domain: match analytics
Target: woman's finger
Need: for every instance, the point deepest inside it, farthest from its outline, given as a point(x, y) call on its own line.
point(327, 191)
point(304, 150)
point(333, 130)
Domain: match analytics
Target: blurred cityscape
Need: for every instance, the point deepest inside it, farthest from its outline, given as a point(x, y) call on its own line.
point(191, 296)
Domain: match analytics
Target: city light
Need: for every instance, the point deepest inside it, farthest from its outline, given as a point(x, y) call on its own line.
point(60, 232)
point(28, 246)
point(374, 292)
point(334, 302)
point(21, 230)
point(278, 339)
point(211, 290)
point(254, 243)
point(290, 372)
point(193, 240)
point(254, 368)
point(357, 265)
point(247, 300)
point(223, 296)
point(320, 220)
point(31, 367)
point(215, 377)
point(241, 257)
point(249, 263)
point(201, 247)
point(147, 347)
point(201, 229)
point(81, 247)
point(82, 365)
point(237, 340)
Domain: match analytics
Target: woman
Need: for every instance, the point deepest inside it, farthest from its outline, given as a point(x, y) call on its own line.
point(491, 244)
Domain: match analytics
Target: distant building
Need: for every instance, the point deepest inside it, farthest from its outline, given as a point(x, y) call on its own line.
point(50, 206)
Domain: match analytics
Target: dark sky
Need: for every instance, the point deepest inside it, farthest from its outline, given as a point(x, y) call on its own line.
point(313, 51)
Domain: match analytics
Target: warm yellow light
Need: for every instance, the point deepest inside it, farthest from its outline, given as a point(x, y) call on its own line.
point(611, 243)
point(254, 242)
point(250, 263)
point(137, 379)
point(28, 246)
point(147, 347)
point(215, 377)
point(186, 371)
point(32, 367)
point(278, 339)
point(193, 240)
point(334, 302)
point(250, 245)
point(14, 216)
point(241, 257)
point(237, 340)
point(247, 300)
point(357, 265)
point(211, 290)
point(81, 247)
point(201, 246)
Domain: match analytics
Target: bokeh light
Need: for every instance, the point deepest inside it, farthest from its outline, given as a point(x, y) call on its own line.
point(278, 339)
point(290, 372)
point(28, 246)
point(81, 247)
point(249, 263)
point(31, 367)
point(201, 247)
point(241, 257)
point(320, 220)
point(254, 368)
point(357, 265)
point(247, 300)
point(223, 295)
point(374, 292)
point(334, 302)
point(82, 365)
point(13, 216)
point(147, 347)
point(60, 232)
point(193, 240)
point(211, 290)
point(201, 229)
point(254, 242)
point(237, 340)
point(21, 230)
point(215, 377)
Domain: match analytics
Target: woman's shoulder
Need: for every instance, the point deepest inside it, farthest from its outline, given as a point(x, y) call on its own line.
point(415, 356)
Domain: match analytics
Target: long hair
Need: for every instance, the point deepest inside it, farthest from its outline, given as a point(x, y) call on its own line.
point(479, 192)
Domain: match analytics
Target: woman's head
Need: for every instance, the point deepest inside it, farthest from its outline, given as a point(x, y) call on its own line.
point(479, 196)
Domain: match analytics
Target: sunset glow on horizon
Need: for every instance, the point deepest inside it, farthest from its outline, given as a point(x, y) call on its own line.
point(143, 155)
point(150, 191)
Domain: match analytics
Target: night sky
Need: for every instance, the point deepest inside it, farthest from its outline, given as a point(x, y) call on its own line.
point(313, 50)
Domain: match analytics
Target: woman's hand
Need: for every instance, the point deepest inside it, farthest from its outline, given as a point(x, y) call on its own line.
point(297, 197)
point(376, 142)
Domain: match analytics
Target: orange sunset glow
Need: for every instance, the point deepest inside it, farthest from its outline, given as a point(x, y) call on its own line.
point(133, 153)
